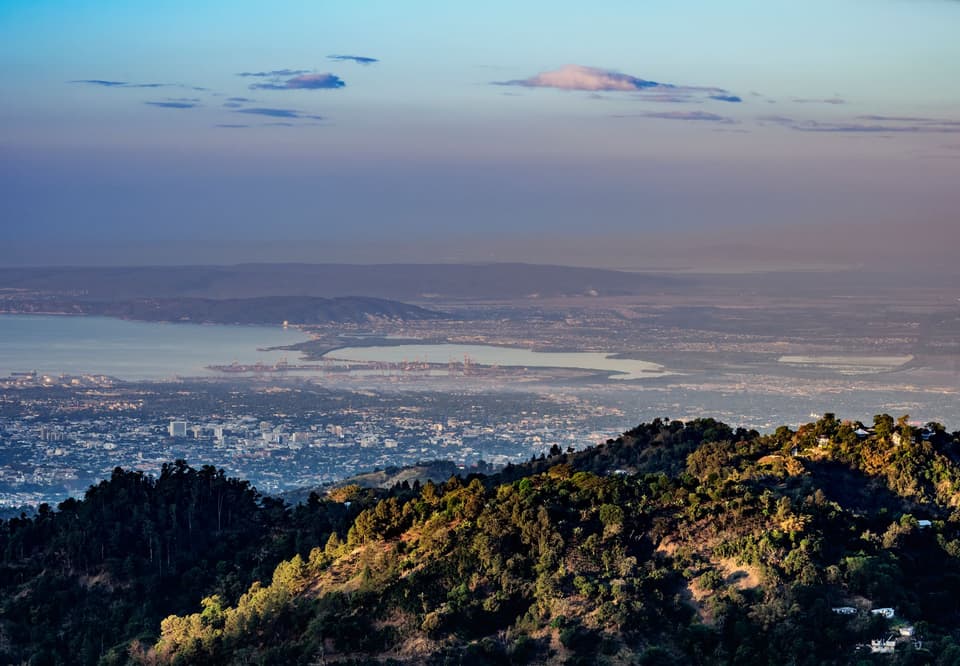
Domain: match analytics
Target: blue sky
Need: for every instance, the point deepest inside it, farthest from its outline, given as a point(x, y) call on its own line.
point(547, 132)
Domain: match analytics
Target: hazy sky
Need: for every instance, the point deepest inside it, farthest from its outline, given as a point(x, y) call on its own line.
point(628, 134)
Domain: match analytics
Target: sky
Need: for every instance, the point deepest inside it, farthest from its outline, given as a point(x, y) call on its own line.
point(650, 134)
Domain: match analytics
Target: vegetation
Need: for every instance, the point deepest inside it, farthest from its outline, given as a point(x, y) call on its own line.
point(677, 543)
point(78, 581)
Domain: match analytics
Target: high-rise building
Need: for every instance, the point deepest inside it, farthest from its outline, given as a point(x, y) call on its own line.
point(177, 428)
point(51, 435)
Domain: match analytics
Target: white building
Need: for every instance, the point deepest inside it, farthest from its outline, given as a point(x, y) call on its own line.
point(879, 646)
point(177, 428)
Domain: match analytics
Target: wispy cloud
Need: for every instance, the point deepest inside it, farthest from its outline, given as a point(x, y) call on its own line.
point(324, 81)
point(726, 98)
point(236, 102)
point(907, 119)
point(666, 98)
point(828, 100)
point(276, 73)
point(672, 99)
point(230, 125)
point(101, 82)
point(775, 120)
point(691, 116)
point(360, 60)
point(816, 126)
point(279, 113)
point(105, 83)
point(872, 124)
point(174, 105)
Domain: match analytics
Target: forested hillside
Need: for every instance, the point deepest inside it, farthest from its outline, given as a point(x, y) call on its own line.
point(97, 572)
point(677, 543)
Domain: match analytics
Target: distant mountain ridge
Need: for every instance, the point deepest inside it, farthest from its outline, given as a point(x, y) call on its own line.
point(263, 310)
point(390, 281)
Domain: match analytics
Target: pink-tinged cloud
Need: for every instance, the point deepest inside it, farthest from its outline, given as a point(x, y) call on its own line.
point(596, 80)
point(579, 77)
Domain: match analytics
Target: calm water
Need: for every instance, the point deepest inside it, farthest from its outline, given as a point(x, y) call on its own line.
point(503, 356)
point(56, 345)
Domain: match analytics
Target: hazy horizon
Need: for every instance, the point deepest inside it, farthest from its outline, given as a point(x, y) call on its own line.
point(890, 248)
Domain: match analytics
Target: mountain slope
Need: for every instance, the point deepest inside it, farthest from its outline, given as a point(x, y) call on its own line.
point(677, 543)
point(738, 558)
